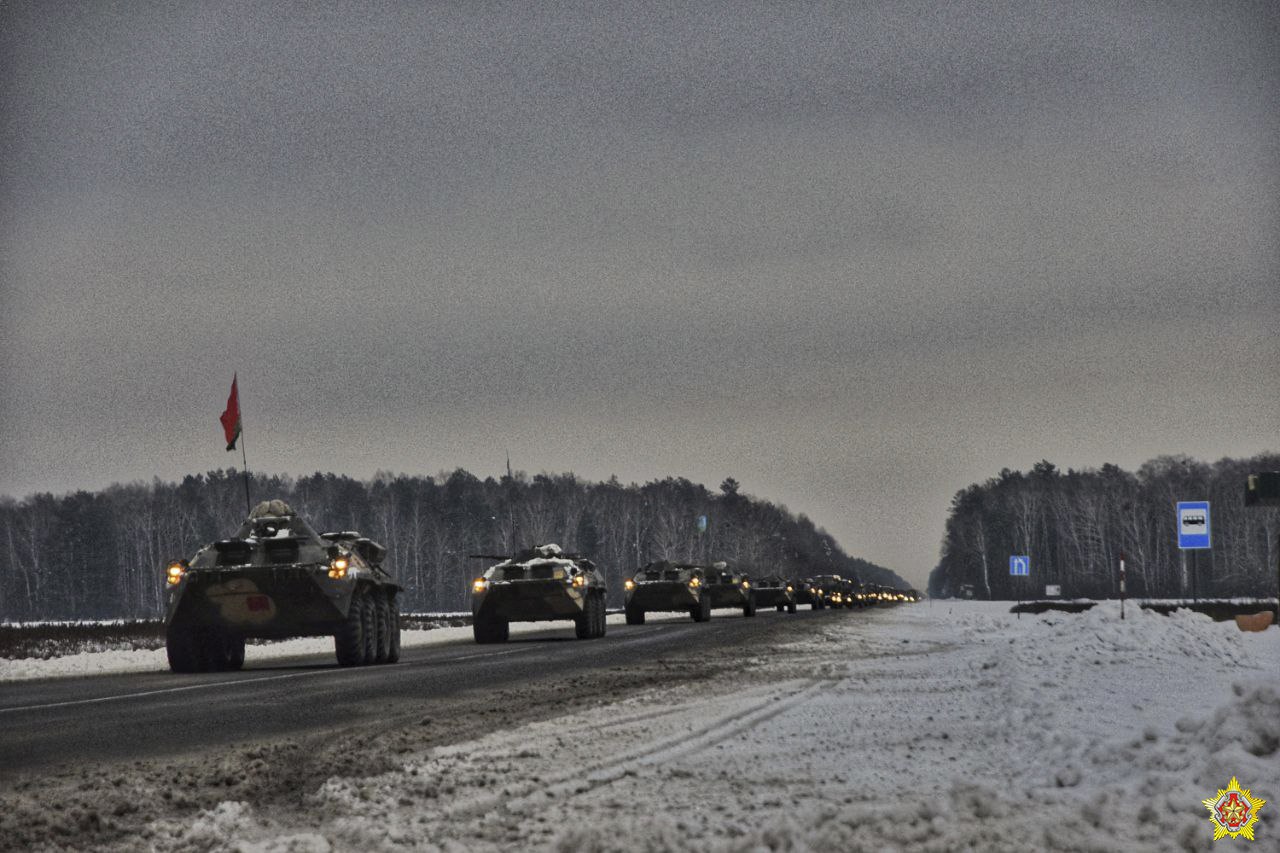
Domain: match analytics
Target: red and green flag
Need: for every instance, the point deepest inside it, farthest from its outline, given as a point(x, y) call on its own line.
point(231, 417)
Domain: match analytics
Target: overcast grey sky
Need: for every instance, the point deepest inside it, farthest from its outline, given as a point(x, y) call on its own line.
point(857, 256)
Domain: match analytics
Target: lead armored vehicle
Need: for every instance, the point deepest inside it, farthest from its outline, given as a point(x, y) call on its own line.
point(537, 585)
point(276, 578)
point(774, 591)
point(728, 588)
point(667, 587)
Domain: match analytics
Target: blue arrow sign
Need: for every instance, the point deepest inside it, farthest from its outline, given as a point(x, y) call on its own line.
point(1193, 525)
point(1020, 565)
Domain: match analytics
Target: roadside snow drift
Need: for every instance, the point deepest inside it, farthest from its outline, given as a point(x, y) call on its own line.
point(954, 726)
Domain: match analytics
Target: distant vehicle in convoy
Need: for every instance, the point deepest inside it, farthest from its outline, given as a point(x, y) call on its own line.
point(834, 591)
point(808, 592)
point(728, 588)
point(537, 585)
point(664, 586)
point(775, 591)
point(278, 578)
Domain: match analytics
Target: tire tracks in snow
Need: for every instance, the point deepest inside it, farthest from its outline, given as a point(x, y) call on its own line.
point(708, 732)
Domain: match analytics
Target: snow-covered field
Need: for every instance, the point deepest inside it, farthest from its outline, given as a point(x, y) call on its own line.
point(951, 726)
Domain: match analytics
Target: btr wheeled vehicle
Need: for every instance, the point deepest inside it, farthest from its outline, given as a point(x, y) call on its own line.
point(277, 578)
point(774, 591)
point(663, 586)
point(539, 584)
point(807, 592)
point(728, 588)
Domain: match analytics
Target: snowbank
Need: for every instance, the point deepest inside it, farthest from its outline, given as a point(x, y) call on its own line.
point(952, 727)
point(154, 660)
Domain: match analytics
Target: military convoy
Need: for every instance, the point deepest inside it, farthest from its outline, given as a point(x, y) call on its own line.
point(537, 585)
point(277, 578)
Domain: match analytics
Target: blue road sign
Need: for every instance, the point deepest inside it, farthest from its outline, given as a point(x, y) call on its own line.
point(1020, 565)
point(1193, 525)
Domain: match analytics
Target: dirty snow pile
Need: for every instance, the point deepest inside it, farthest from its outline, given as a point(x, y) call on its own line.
point(926, 728)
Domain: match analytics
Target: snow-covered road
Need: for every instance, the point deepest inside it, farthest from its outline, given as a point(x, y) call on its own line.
point(952, 726)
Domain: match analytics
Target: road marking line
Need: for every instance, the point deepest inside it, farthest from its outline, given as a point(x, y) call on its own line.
point(212, 684)
point(184, 688)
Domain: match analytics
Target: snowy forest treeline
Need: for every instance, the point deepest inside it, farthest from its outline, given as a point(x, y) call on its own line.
point(1075, 526)
point(95, 555)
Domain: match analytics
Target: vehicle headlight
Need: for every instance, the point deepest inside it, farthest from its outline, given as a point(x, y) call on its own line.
point(746, 584)
point(479, 585)
point(628, 584)
point(695, 583)
point(789, 589)
point(579, 581)
point(174, 574)
point(338, 568)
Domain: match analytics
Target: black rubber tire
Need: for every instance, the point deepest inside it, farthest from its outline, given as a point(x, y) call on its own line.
point(635, 616)
point(233, 653)
point(382, 618)
point(584, 625)
point(602, 616)
point(749, 609)
point(348, 642)
point(817, 603)
point(701, 612)
point(490, 630)
point(369, 622)
point(791, 607)
point(781, 607)
point(393, 614)
point(210, 650)
point(180, 647)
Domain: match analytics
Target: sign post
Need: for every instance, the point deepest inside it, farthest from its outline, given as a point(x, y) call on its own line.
point(1121, 586)
point(1019, 566)
point(1193, 536)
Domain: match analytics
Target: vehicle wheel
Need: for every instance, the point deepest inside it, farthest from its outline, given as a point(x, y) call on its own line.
point(817, 604)
point(750, 608)
point(209, 650)
point(369, 622)
point(791, 608)
point(584, 625)
point(393, 615)
point(635, 615)
point(702, 612)
point(781, 607)
point(604, 615)
point(180, 646)
point(233, 653)
point(348, 642)
point(382, 619)
point(489, 630)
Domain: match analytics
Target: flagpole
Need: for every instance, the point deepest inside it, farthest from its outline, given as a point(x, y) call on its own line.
point(245, 469)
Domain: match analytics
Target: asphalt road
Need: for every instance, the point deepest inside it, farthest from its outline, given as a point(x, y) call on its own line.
point(74, 721)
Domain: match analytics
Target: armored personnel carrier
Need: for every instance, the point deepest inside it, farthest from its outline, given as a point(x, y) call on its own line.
point(667, 587)
point(728, 588)
point(834, 591)
point(807, 592)
point(536, 585)
point(774, 591)
point(278, 578)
